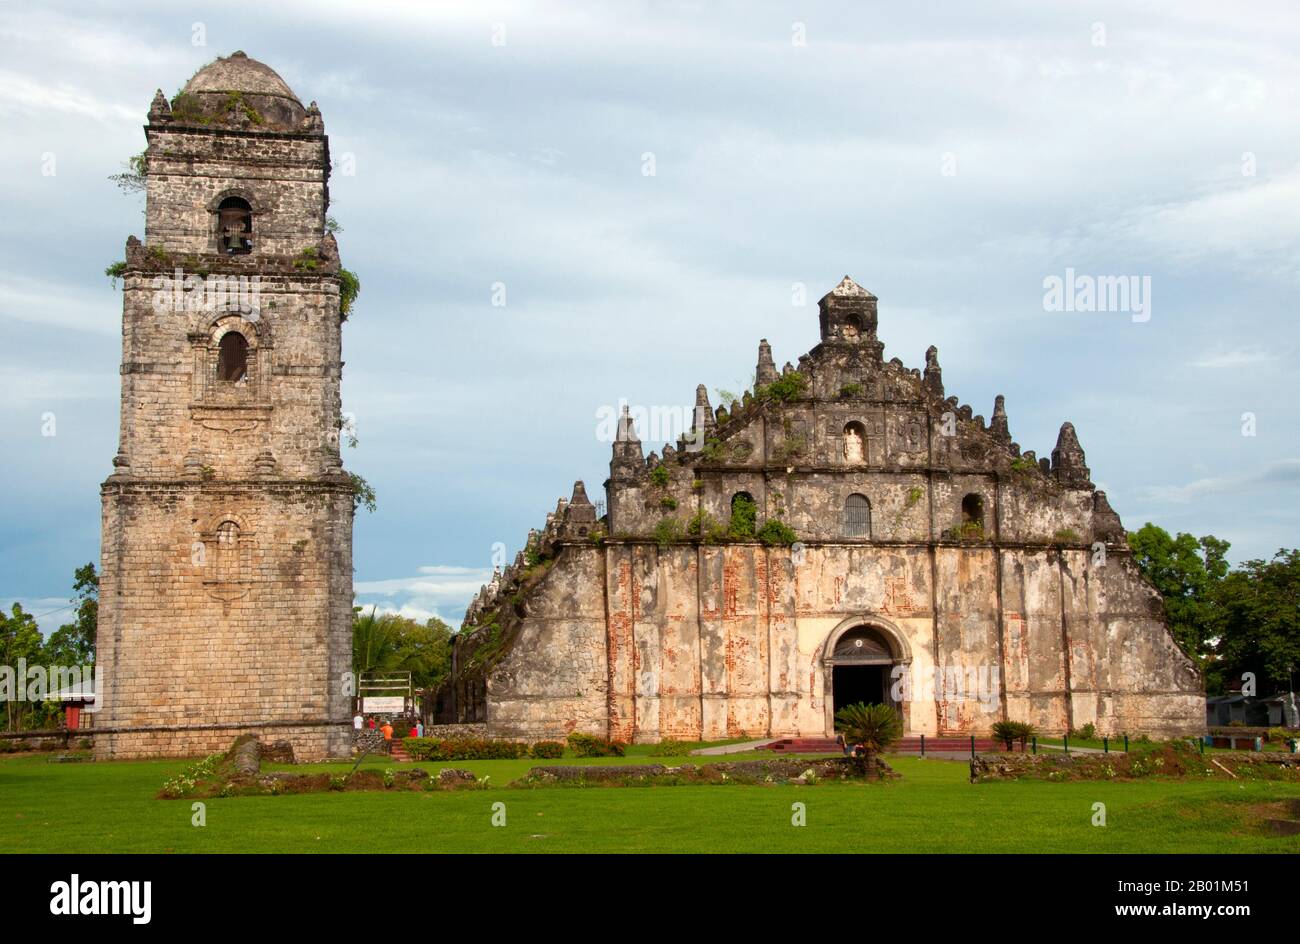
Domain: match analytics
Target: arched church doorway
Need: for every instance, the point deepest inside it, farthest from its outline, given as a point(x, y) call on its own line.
point(859, 662)
point(860, 670)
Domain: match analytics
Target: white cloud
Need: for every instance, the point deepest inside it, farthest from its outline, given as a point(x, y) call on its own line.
point(1240, 357)
point(439, 590)
point(1285, 474)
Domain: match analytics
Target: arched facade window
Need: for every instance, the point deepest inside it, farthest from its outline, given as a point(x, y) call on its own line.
point(235, 226)
point(227, 568)
point(972, 511)
point(855, 442)
point(232, 358)
point(857, 516)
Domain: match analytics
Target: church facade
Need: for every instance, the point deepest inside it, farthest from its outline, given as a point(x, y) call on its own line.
point(847, 532)
point(226, 570)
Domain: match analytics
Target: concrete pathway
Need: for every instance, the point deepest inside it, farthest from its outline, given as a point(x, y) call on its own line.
point(730, 748)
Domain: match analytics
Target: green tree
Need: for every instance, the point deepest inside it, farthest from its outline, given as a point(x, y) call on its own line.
point(1259, 622)
point(74, 643)
point(385, 642)
point(1186, 570)
point(20, 638)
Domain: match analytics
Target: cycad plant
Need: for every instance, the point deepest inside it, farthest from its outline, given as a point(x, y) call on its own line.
point(873, 728)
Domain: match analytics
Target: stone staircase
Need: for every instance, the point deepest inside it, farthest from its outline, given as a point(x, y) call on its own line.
point(399, 754)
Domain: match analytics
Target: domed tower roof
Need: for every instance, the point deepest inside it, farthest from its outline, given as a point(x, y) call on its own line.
point(238, 90)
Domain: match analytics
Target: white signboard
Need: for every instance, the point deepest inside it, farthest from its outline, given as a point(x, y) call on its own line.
point(387, 704)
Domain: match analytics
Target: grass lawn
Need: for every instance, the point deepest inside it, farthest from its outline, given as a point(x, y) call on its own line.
point(110, 807)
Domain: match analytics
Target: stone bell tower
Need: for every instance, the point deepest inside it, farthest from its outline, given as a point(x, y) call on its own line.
point(226, 578)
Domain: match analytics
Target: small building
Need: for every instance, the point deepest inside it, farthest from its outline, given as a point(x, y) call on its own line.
point(1249, 710)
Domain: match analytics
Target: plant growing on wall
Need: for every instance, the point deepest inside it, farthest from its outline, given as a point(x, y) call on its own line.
point(362, 493)
point(777, 532)
point(785, 388)
point(744, 514)
point(704, 526)
point(668, 531)
point(349, 289)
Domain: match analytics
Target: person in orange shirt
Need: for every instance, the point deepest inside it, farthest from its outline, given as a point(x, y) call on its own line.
point(388, 737)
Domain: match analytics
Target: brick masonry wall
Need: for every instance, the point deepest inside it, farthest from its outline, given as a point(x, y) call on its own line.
point(714, 642)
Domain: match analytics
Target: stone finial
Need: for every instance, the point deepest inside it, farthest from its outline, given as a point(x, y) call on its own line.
point(627, 462)
point(626, 429)
point(933, 377)
point(848, 287)
point(329, 248)
point(1105, 522)
point(312, 121)
point(1068, 461)
point(159, 109)
point(766, 371)
point(704, 419)
point(579, 495)
point(580, 515)
point(998, 425)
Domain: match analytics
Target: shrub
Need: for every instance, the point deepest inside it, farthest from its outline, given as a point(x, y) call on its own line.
point(1009, 732)
point(589, 745)
point(548, 750)
point(1087, 733)
point(668, 502)
point(659, 475)
point(786, 388)
point(875, 727)
point(776, 531)
point(428, 748)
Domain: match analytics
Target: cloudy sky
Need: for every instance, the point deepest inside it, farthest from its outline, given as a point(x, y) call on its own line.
point(949, 160)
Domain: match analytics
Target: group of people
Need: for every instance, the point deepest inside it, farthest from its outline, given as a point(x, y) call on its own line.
point(385, 727)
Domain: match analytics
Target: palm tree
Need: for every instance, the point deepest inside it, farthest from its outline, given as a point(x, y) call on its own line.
point(374, 643)
point(873, 727)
